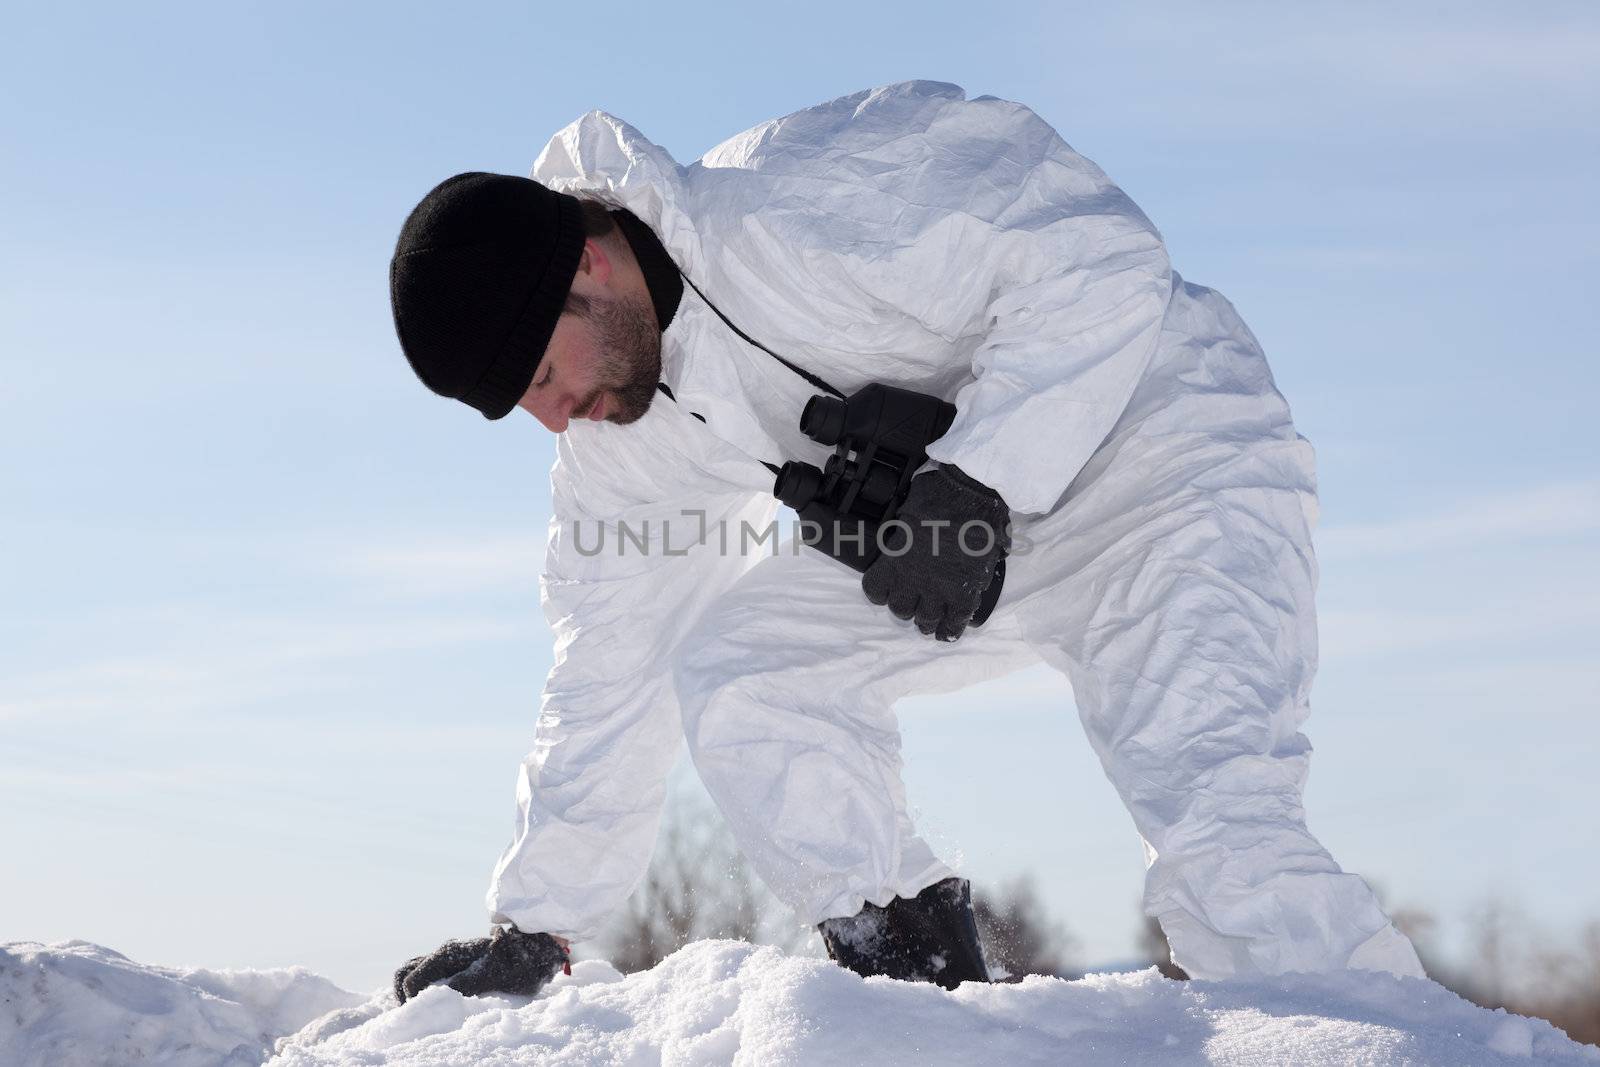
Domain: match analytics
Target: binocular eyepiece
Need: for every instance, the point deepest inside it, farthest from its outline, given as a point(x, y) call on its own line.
point(882, 434)
point(823, 419)
point(798, 484)
point(896, 425)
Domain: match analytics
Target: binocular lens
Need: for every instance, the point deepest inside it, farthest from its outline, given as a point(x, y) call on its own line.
point(823, 419)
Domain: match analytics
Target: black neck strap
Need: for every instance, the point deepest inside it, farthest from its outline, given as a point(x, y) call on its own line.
point(656, 253)
point(807, 375)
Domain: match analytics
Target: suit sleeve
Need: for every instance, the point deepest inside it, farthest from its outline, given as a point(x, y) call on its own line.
point(976, 220)
point(1074, 283)
point(627, 572)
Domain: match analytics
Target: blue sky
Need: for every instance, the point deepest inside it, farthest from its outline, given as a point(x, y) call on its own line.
point(271, 641)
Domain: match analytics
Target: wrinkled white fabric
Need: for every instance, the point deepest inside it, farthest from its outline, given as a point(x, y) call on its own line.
point(1162, 501)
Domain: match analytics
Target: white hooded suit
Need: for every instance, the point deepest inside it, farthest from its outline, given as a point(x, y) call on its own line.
point(1161, 500)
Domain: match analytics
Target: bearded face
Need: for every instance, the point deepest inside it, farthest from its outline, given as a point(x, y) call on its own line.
point(629, 355)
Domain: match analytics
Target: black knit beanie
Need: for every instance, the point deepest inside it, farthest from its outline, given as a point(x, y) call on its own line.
point(478, 279)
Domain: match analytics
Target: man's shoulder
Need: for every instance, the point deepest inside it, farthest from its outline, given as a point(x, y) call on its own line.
point(864, 121)
point(867, 120)
point(925, 134)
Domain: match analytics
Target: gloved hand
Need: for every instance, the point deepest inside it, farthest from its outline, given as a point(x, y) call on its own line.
point(939, 579)
point(508, 961)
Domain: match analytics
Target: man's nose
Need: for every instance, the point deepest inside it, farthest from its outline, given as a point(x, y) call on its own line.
point(553, 412)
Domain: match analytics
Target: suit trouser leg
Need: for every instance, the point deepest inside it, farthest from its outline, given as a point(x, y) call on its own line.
point(1174, 586)
point(788, 686)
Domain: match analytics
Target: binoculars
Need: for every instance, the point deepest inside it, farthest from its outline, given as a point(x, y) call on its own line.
point(881, 435)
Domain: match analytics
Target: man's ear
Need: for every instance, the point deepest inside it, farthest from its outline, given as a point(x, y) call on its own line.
point(595, 263)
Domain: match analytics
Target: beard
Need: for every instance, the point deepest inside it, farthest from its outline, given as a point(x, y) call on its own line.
point(629, 341)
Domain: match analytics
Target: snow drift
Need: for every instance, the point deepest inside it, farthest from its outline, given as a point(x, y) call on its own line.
point(726, 1002)
point(79, 1005)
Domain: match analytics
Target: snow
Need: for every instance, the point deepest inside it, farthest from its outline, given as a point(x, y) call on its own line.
point(727, 1002)
point(79, 1005)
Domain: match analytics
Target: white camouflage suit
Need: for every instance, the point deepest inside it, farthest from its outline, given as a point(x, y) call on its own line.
point(1162, 506)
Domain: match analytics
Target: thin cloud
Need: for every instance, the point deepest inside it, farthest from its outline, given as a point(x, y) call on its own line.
point(461, 564)
point(1347, 635)
point(1346, 67)
point(1391, 50)
point(214, 663)
point(1526, 515)
point(1353, 257)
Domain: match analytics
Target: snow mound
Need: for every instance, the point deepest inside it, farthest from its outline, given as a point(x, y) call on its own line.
point(80, 1005)
point(726, 1002)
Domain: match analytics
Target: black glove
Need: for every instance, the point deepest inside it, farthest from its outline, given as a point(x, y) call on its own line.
point(508, 961)
point(940, 578)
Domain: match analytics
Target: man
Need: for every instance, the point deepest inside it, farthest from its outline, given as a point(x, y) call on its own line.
point(1122, 419)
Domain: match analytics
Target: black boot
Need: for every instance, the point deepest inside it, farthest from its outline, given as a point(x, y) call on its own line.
point(931, 937)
